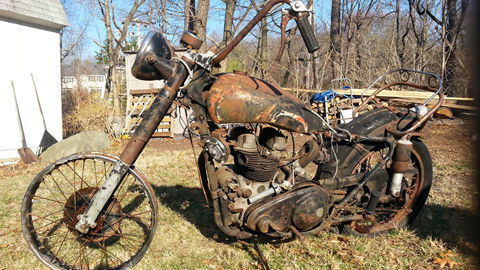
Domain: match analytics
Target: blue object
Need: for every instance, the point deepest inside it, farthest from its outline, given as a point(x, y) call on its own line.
point(320, 97)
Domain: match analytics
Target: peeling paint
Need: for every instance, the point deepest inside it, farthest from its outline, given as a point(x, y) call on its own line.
point(236, 98)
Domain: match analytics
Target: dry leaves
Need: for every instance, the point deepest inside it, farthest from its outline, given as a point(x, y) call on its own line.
point(445, 259)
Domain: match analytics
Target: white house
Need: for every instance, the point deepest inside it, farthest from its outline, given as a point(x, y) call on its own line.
point(94, 83)
point(30, 46)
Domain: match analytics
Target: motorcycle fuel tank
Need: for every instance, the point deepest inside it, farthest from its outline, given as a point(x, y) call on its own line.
point(238, 98)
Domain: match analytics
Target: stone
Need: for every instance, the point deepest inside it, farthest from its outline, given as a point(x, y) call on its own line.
point(86, 141)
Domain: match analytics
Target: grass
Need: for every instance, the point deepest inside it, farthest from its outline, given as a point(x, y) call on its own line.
point(187, 237)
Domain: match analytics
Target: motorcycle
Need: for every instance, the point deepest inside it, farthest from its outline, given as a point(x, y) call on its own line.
point(370, 175)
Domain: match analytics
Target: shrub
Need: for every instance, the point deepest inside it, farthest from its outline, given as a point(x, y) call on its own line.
point(85, 111)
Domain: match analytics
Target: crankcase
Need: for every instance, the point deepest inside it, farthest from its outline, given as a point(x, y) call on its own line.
point(238, 98)
point(303, 208)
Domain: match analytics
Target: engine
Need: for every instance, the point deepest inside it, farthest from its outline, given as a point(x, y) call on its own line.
point(257, 160)
point(262, 190)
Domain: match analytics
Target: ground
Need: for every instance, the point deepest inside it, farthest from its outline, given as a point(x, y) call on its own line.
point(187, 238)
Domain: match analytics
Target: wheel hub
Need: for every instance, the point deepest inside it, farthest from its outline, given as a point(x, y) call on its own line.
point(108, 222)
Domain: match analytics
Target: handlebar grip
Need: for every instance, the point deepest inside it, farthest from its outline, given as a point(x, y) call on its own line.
point(307, 33)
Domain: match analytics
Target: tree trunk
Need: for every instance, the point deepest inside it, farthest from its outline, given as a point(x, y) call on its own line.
point(189, 15)
point(291, 64)
point(399, 40)
point(200, 23)
point(114, 50)
point(314, 55)
point(228, 26)
point(335, 38)
point(227, 29)
point(450, 46)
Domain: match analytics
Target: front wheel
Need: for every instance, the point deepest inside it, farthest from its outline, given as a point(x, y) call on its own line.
point(401, 211)
point(63, 191)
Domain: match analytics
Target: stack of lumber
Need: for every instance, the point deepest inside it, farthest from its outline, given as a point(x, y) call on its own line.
point(137, 104)
point(403, 96)
point(411, 96)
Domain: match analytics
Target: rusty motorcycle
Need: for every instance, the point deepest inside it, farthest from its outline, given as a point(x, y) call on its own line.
point(371, 175)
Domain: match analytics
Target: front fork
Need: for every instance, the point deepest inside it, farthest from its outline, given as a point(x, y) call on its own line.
point(135, 146)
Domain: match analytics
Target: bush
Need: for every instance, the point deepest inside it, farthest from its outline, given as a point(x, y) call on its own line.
point(85, 111)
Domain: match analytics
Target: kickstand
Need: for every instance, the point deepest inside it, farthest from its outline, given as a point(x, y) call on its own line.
point(263, 260)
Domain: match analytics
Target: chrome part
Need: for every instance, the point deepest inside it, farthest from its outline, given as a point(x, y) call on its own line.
point(275, 189)
point(87, 220)
point(216, 150)
point(396, 184)
point(400, 163)
point(298, 6)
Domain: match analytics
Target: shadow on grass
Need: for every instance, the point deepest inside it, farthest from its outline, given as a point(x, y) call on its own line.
point(455, 227)
point(190, 203)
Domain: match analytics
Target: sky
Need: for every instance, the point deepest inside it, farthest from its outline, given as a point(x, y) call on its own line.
point(96, 33)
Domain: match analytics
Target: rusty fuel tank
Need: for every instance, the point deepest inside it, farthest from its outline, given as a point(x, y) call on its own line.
point(238, 98)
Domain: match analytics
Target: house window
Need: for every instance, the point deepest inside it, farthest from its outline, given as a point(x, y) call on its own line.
point(68, 79)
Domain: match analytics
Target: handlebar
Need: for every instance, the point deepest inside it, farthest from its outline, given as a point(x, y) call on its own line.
point(307, 32)
point(302, 21)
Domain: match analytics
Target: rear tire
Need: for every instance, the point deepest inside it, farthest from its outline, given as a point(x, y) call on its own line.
point(415, 191)
point(62, 191)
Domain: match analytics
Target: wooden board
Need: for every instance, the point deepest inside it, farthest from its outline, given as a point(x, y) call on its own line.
point(400, 94)
point(143, 98)
point(386, 94)
point(139, 92)
point(447, 103)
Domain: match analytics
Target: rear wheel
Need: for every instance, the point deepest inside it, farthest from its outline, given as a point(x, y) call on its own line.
point(397, 212)
point(63, 191)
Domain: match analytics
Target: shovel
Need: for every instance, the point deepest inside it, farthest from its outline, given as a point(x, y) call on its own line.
point(26, 154)
point(47, 138)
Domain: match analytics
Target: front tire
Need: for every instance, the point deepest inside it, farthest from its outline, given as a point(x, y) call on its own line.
point(62, 191)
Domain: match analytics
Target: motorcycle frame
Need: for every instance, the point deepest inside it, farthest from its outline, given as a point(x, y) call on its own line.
point(181, 71)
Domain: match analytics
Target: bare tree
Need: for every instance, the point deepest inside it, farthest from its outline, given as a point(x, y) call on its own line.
point(73, 37)
point(114, 44)
point(453, 16)
point(335, 35)
point(201, 19)
point(189, 15)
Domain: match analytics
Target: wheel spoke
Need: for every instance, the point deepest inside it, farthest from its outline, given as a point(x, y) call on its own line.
point(397, 212)
point(57, 197)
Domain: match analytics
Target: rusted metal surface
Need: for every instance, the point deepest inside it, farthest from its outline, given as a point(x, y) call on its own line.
point(401, 157)
point(191, 40)
point(154, 115)
point(338, 183)
point(236, 98)
point(310, 151)
point(89, 218)
point(303, 208)
point(133, 149)
point(106, 227)
point(286, 17)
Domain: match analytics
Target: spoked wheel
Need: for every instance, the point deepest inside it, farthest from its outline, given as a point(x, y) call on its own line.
point(397, 212)
point(63, 191)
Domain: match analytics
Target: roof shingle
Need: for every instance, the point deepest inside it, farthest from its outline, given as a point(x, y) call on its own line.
point(48, 13)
